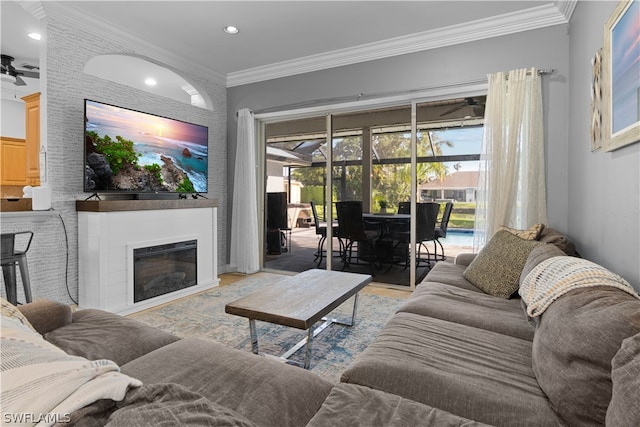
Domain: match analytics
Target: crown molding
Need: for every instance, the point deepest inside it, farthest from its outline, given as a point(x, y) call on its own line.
point(542, 16)
point(34, 8)
point(500, 25)
point(566, 7)
point(89, 23)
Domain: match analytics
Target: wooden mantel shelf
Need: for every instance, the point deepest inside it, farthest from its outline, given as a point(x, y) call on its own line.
point(142, 205)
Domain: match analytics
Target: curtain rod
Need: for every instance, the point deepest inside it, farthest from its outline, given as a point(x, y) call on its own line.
point(362, 96)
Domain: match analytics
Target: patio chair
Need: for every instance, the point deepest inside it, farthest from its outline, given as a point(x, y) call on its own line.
point(426, 217)
point(441, 231)
point(321, 230)
point(404, 208)
point(352, 230)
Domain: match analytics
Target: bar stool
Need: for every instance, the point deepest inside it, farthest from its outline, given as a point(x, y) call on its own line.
point(9, 258)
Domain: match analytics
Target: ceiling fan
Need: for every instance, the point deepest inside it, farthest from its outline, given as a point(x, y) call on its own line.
point(478, 108)
point(9, 72)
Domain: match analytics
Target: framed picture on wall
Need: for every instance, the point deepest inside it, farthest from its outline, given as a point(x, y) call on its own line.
point(596, 101)
point(620, 84)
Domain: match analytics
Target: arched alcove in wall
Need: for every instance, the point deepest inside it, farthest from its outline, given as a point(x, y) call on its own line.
point(133, 71)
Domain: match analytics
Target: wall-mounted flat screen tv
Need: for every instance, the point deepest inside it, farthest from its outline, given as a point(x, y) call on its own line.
point(133, 152)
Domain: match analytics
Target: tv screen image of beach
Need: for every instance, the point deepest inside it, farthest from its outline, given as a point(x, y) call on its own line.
point(135, 152)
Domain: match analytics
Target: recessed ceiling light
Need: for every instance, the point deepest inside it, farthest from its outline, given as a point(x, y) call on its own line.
point(150, 82)
point(230, 29)
point(35, 36)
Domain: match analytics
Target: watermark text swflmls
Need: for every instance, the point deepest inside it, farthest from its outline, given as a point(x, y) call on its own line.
point(33, 418)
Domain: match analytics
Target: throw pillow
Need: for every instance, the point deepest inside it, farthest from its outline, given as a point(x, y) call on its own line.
point(9, 310)
point(497, 268)
point(550, 235)
point(625, 376)
point(532, 233)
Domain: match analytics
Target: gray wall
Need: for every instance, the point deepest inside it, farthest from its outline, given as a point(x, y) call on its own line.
point(13, 118)
point(543, 48)
point(604, 188)
point(68, 49)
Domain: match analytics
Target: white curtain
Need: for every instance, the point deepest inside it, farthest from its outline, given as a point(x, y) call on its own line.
point(511, 188)
point(245, 253)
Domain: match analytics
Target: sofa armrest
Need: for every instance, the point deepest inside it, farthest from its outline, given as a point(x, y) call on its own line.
point(464, 259)
point(45, 315)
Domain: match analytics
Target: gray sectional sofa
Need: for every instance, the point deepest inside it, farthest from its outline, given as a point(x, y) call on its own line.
point(453, 355)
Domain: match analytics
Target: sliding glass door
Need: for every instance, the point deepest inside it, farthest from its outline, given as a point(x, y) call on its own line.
point(381, 158)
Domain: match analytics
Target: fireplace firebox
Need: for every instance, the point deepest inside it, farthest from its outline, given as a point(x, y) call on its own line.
point(162, 269)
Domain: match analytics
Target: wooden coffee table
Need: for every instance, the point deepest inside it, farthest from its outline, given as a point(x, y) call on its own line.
point(299, 302)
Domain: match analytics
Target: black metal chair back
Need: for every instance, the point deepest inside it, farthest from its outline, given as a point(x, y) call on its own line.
point(320, 229)
point(8, 243)
point(10, 257)
point(350, 220)
point(404, 208)
point(444, 222)
point(426, 218)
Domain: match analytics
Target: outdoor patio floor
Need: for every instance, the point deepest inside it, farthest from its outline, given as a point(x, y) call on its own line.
point(304, 243)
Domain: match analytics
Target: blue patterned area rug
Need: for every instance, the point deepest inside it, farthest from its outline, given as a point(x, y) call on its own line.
point(202, 315)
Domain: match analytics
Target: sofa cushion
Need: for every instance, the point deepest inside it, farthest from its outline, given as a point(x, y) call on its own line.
point(464, 258)
point(353, 405)
point(532, 233)
point(450, 274)
point(566, 245)
point(97, 334)
point(160, 404)
point(473, 373)
point(625, 376)
point(470, 308)
point(46, 315)
point(576, 339)
point(265, 391)
point(497, 268)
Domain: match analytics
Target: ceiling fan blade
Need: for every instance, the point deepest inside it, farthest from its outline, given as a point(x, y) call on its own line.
point(19, 81)
point(453, 110)
point(478, 110)
point(30, 74)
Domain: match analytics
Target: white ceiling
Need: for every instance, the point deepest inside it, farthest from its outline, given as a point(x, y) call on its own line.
point(279, 38)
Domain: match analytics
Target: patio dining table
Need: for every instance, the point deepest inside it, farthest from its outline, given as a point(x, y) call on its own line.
point(383, 220)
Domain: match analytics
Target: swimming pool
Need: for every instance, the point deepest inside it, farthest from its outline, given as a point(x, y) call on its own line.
point(458, 237)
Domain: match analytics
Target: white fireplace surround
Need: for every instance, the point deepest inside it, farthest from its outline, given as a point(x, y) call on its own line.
point(106, 241)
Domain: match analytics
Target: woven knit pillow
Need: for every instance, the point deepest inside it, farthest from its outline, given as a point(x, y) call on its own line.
point(497, 268)
point(532, 233)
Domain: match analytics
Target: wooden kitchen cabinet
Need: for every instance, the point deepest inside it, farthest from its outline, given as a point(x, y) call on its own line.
point(20, 158)
point(32, 137)
point(13, 159)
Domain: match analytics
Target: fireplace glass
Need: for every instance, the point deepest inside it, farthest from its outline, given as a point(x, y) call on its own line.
point(159, 270)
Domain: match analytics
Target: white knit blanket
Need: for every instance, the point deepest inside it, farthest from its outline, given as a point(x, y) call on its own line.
point(556, 276)
point(42, 385)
